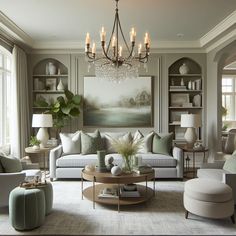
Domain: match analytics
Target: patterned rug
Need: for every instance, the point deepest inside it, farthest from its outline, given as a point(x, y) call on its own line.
point(163, 214)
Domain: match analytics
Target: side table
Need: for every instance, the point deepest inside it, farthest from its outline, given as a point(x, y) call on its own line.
point(42, 151)
point(203, 150)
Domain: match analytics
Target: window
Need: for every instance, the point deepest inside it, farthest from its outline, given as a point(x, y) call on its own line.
point(229, 96)
point(5, 94)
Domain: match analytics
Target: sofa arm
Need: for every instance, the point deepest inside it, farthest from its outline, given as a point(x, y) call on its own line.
point(230, 179)
point(178, 154)
point(8, 181)
point(55, 153)
point(215, 165)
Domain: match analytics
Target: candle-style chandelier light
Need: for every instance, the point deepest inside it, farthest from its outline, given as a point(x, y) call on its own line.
point(115, 63)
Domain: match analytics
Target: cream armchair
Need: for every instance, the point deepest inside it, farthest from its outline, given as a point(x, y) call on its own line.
point(8, 181)
point(215, 171)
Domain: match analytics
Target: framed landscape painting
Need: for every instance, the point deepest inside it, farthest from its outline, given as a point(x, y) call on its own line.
point(125, 104)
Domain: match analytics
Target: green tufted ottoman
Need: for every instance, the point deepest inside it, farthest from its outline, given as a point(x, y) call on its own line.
point(48, 193)
point(26, 208)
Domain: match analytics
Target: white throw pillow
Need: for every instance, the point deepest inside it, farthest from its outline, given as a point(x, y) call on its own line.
point(71, 143)
point(147, 143)
point(117, 136)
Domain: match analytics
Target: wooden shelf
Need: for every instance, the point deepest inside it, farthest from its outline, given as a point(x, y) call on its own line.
point(185, 107)
point(48, 76)
point(187, 75)
point(47, 91)
point(185, 91)
point(174, 124)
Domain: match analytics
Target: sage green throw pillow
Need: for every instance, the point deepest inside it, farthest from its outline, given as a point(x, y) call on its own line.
point(91, 143)
point(230, 164)
point(11, 164)
point(162, 145)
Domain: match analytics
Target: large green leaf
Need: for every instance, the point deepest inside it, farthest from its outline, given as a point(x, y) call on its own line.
point(69, 95)
point(76, 99)
point(61, 100)
point(66, 109)
point(74, 112)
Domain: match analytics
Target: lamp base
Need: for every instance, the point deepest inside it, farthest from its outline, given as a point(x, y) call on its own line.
point(190, 137)
point(43, 137)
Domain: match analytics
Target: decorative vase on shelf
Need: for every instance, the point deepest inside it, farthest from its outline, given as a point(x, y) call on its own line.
point(183, 70)
point(182, 82)
point(60, 86)
point(190, 85)
point(52, 69)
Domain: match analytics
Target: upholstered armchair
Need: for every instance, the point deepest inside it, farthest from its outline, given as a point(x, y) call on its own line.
point(8, 181)
point(215, 171)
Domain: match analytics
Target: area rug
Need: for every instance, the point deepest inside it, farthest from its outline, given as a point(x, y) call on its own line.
point(163, 214)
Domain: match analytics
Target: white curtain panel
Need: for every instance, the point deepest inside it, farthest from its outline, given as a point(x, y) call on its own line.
point(20, 122)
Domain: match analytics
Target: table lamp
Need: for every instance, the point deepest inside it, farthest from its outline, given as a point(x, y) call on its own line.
point(42, 121)
point(190, 121)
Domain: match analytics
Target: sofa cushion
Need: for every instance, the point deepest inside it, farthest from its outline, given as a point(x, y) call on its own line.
point(71, 142)
point(230, 164)
point(117, 136)
point(76, 160)
point(162, 144)
point(90, 144)
point(11, 164)
point(216, 174)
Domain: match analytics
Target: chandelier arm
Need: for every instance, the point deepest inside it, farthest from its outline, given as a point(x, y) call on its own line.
point(104, 52)
point(131, 52)
point(90, 57)
point(123, 34)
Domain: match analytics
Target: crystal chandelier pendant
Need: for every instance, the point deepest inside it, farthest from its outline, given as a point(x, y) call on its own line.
point(117, 62)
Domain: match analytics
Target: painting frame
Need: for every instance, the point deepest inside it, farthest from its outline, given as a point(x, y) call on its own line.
point(178, 99)
point(148, 114)
point(175, 116)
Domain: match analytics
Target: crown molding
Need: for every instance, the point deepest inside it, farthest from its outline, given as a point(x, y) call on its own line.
point(218, 29)
point(14, 31)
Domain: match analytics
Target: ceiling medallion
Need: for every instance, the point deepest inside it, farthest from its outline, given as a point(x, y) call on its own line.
point(115, 63)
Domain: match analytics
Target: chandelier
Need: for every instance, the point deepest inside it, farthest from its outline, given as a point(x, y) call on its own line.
point(115, 63)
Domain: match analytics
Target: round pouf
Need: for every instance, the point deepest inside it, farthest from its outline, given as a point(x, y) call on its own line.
point(48, 193)
point(26, 208)
point(208, 198)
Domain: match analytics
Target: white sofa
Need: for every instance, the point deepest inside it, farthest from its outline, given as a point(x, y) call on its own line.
point(70, 166)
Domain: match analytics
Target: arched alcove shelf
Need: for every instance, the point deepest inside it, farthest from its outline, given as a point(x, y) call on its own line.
point(48, 83)
point(185, 95)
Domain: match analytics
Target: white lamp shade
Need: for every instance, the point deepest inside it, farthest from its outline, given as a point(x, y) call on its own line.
point(190, 120)
point(42, 120)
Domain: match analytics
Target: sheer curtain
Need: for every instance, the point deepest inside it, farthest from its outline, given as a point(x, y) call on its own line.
point(20, 122)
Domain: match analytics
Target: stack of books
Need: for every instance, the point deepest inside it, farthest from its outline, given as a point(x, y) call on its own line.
point(108, 193)
point(176, 88)
point(143, 169)
point(125, 191)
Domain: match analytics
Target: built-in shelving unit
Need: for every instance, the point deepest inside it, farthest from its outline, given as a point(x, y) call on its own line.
point(185, 96)
point(45, 84)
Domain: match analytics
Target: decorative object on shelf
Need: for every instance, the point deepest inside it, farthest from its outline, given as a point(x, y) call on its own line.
point(178, 99)
point(197, 100)
point(60, 86)
point(101, 166)
point(183, 70)
point(113, 64)
point(89, 168)
point(110, 164)
point(176, 116)
point(52, 69)
point(190, 85)
point(51, 83)
point(129, 105)
point(182, 82)
point(187, 104)
point(127, 150)
point(193, 85)
point(58, 71)
point(34, 142)
point(42, 121)
point(198, 146)
point(116, 170)
point(190, 121)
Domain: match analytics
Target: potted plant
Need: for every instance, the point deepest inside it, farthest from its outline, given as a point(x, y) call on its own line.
point(127, 149)
point(34, 142)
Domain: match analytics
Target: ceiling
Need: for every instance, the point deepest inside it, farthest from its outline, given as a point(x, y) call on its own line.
point(66, 21)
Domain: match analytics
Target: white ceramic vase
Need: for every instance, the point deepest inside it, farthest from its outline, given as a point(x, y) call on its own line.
point(60, 86)
point(183, 70)
point(52, 69)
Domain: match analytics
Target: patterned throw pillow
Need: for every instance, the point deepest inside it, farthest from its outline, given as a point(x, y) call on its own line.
point(162, 145)
point(71, 142)
point(91, 143)
point(11, 164)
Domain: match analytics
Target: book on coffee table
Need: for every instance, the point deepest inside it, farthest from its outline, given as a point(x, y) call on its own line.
point(129, 193)
point(143, 169)
point(108, 193)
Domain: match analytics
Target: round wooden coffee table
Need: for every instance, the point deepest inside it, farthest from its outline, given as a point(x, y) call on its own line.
point(107, 179)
